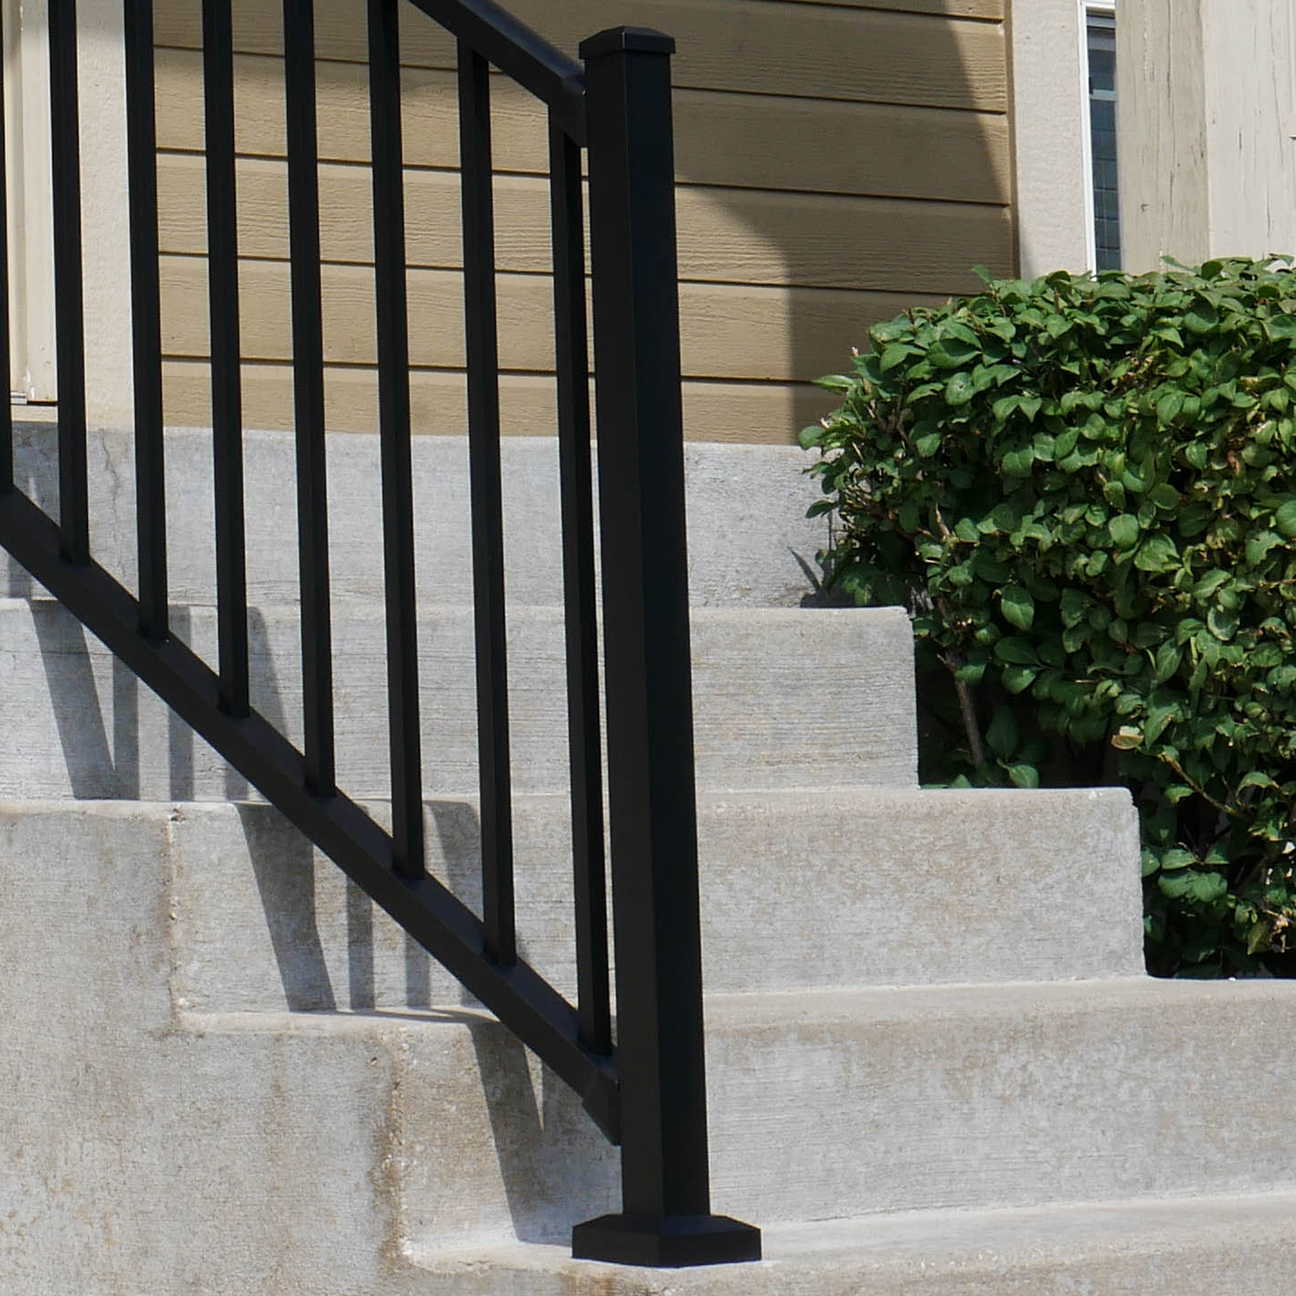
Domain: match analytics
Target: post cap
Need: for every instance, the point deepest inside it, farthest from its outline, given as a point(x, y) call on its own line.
point(635, 40)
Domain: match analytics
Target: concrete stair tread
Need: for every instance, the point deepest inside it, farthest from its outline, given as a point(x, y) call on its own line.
point(1177, 1246)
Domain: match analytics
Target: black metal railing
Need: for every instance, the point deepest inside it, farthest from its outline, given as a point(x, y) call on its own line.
point(646, 1090)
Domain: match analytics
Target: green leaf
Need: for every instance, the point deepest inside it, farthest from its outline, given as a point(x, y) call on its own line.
point(1258, 546)
point(1157, 554)
point(959, 390)
point(1024, 776)
point(1002, 734)
point(1018, 607)
point(1285, 519)
point(1124, 531)
point(1203, 318)
point(1177, 859)
point(1257, 778)
point(1169, 407)
point(1017, 679)
point(1281, 328)
point(1018, 463)
point(896, 354)
point(1019, 652)
point(952, 352)
point(1167, 661)
point(1223, 625)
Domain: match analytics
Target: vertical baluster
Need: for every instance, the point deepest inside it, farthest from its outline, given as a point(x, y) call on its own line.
point(227, 397)
point(65, 157)
point(394, 437)
point(308, 390)
point(146, 320)
point(6, 409)
point(487, 507)
point(578, 586)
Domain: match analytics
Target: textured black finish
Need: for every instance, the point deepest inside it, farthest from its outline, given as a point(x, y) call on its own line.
point(515, 49)
point(581, 622)
point(308, 393)
point(394, 437)
point(226, 379)
point(487, 508)
point(146, 318)
point(69, 344)
point(651, 801)
point(666, 1243)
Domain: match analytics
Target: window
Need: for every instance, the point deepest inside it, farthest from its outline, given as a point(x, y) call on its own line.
point(1100, 45)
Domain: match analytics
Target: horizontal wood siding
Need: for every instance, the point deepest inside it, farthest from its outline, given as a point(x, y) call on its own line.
point(837, 163)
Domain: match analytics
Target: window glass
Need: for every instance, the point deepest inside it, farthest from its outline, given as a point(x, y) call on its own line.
point(1102, 126)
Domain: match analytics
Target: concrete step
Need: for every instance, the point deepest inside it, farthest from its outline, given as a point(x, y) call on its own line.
point(1195, 1246)
point(147, 1148)
point(799, 891)
point(773, 706)
point(750, 542)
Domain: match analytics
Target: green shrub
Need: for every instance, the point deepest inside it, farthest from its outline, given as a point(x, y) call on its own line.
point(1085, 492)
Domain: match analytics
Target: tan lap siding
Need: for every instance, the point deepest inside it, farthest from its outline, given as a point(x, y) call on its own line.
point(836, 164)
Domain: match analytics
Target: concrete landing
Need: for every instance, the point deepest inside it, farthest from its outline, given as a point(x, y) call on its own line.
point(1169, 1247)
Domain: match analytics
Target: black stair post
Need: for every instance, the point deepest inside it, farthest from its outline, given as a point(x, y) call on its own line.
point(666, 1217)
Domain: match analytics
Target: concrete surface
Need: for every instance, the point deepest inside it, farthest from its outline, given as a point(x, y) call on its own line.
point(799, 891)
point(750, 543)
point(1175, 1247)
point(145, 1148)
point(764, 714)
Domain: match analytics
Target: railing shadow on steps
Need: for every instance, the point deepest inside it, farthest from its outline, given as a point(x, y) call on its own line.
point(646, 1088)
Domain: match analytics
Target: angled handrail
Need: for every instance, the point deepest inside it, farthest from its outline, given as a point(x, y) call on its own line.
point(647, 1089)
point(508, 43)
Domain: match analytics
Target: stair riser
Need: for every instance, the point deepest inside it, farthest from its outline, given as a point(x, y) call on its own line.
point(82, 726)
point(798, 891)
point(750, 542)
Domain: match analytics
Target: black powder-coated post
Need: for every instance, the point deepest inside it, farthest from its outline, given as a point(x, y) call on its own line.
point(666, 1217)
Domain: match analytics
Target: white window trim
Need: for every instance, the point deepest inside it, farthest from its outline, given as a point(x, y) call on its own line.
point(1048, 44)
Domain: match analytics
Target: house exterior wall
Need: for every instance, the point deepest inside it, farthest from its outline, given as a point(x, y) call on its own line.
point(1207, 128)
point(836, 164)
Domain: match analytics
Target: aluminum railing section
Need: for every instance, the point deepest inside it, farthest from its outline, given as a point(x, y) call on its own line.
point(644, 1083)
